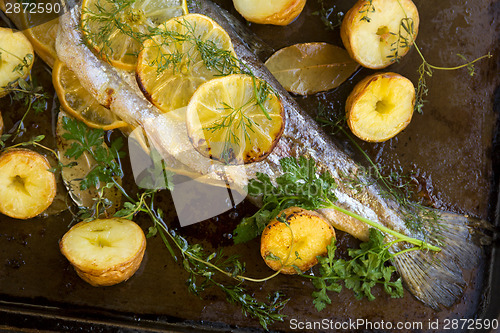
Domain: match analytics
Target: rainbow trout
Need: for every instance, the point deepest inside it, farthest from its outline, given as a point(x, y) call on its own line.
point(435, 278)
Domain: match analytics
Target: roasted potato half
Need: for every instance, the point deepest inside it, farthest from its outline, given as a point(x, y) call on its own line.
point(295, 238)
point(380, 106)
point(376, 33)
point(27, 187)
point(16, 57)
point(277, 12)
point(104, 252)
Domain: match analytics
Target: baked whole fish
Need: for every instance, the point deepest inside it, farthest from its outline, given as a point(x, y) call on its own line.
point(435, 278)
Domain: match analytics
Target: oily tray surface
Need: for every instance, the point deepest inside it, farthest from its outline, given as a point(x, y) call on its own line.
point(449, 149)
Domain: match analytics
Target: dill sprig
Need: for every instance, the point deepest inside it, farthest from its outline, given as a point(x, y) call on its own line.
point(426, 70)
point(225, 124)
point(109, 19)
point(395, 186)
point(222, 61)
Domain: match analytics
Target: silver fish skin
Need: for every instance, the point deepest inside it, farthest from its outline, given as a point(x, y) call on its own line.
point(435, 278)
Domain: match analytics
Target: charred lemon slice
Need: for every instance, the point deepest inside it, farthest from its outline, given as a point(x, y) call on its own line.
point(79, 103)
point(174, 64)
point(235, 119)
point(116, 29)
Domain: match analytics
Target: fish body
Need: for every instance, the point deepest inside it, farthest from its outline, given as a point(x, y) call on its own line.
point(433, 277)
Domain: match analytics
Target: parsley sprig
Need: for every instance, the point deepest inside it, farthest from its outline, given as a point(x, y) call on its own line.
point(301, 186)
point(91, 141)
point(366, 268)
point(205, 269)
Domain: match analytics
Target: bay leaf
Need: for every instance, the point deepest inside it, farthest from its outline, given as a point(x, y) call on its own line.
point(309, 68)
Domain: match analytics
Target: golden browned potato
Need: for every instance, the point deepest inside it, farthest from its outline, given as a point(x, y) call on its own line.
point(16, 57)
point(373, 35)
point(27, 188)
point(380, 106)
point(277, 12)
point(104, 252)
point(299, 243)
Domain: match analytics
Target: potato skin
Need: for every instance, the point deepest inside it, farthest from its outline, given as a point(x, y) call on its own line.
point(115, 274)
point(311, 235)
point(352, 21)
point(104, 274)
point(1, 124)
point(284, 17)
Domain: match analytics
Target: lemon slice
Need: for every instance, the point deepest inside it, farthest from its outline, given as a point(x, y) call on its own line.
point(171, 66)
point(79, 103)
point(116, 29)
point(41, 30)
point(225, 122)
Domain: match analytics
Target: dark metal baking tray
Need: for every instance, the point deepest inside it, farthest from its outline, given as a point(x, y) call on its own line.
point(454, 148)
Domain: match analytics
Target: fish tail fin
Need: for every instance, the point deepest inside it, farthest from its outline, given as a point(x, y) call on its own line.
point(435, 278)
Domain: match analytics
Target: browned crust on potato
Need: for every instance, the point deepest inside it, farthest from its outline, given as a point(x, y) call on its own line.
point(110, 275)
point(277, 231)
point(115, 275)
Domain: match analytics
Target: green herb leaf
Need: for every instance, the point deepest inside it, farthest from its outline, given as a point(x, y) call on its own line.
point(366, 268)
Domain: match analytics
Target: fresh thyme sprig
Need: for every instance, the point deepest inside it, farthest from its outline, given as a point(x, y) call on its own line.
point(367, 9)
point(27, 92)
point(203, 268)
point(405, 39)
